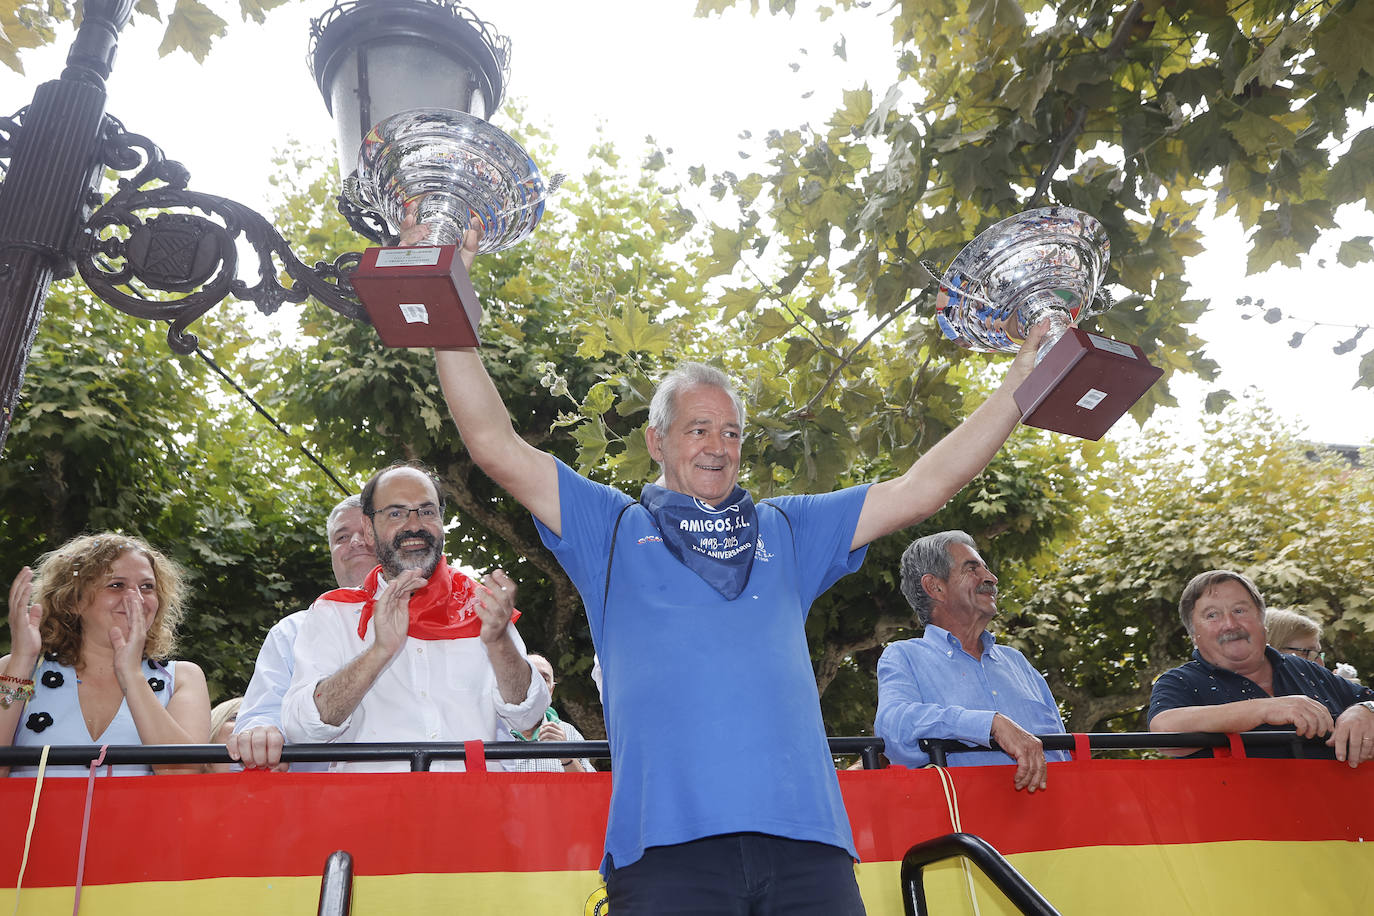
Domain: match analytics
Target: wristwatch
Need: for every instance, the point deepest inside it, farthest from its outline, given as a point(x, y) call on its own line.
point(1367, 704)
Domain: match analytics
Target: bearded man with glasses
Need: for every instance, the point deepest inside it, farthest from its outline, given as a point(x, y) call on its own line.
point(418, 652)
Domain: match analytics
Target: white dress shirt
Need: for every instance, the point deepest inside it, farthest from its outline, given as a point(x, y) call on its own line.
point(433, 690)
point(262, 700)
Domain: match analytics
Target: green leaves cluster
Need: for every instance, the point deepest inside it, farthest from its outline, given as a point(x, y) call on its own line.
point(1137, 112)
point(191, 25)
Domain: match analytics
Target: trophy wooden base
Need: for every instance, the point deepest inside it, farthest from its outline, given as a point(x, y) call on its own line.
point(418, 296)
point(1084, 384)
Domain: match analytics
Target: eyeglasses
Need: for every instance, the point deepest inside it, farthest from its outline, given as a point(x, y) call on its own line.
point(1310, 654)
point(427, 513)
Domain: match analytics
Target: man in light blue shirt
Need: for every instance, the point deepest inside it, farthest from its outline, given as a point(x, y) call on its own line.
point(956, 682)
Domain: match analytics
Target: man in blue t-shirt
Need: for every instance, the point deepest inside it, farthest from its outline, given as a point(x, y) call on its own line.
point(724, 798)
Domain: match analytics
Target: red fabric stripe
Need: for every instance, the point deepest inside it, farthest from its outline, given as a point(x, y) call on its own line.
point(474, 757)
point(1116, 802)
point(261, 824)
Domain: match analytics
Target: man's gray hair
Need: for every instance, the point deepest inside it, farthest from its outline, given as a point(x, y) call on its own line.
point(348, 502)
point(663, 407)
point(928, 556)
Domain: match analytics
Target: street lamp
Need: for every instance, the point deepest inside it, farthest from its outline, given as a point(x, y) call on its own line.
point(156, 249)
point(372, 59)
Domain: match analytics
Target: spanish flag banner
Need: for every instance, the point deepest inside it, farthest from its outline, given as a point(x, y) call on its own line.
point(1107, 836)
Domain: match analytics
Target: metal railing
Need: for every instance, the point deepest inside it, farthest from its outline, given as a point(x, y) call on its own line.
point(940, 748)
point(421, 755)
point(990, 862)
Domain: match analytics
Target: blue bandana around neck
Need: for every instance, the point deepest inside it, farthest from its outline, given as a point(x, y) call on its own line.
point(716, 543)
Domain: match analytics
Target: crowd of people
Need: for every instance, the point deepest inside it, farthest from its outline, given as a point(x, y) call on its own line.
point(696, 597)
point(97, 642)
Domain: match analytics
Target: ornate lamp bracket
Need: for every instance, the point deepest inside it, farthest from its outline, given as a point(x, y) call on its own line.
point(367, 223)
point(153, 237)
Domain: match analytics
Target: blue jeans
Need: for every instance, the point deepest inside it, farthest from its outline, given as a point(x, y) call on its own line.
point(737, 874)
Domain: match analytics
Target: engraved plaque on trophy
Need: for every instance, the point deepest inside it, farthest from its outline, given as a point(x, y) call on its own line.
point(1046, 263)
point(445, 168)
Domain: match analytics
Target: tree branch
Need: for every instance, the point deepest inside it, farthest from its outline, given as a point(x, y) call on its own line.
point(806, 410)
point(1080, 117)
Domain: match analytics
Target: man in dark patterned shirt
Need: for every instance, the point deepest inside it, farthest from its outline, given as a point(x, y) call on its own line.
point(1236, 683)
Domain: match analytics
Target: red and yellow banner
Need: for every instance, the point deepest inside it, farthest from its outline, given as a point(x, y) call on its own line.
point(1108, 836)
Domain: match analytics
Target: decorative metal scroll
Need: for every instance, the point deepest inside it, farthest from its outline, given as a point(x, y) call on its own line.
point(367, 223)
point(153, 234)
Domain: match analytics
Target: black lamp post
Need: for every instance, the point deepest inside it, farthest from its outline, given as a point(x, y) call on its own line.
point(153, 237)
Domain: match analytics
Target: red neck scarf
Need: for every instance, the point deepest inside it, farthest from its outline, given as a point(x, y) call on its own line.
point(446, 608)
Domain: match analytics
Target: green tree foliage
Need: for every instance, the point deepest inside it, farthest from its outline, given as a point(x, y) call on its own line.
point(1101, 609)
point(114, 432)
point(191, 25)
point(1138, 113)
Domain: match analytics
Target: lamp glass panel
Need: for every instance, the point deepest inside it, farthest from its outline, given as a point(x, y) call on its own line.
point(401, 75)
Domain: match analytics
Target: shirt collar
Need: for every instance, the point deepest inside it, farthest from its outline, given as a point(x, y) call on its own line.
point(940, 635)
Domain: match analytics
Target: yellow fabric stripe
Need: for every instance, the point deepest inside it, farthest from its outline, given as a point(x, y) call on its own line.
point(491, 892)
point(1333, 878)
point(33, 819)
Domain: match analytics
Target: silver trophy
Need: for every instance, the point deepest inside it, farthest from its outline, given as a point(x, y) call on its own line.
point(445, 168)
point(449, 167)
point(1047, 263)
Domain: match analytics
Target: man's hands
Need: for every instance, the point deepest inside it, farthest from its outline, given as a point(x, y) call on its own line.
point(413, 233)
point(1353, 738)
point(1308, 717)
point(1024, 362)
point(551, 731)
point(495, 604)
point(471, 240)
point(1031, 769)
point(1351, 734)
point(258, 748)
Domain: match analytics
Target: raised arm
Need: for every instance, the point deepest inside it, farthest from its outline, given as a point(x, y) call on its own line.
point(952, 462)
point(25, 647)
point(528, 474)
point(495, 607)
point(337, 695)
point(186, 717)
